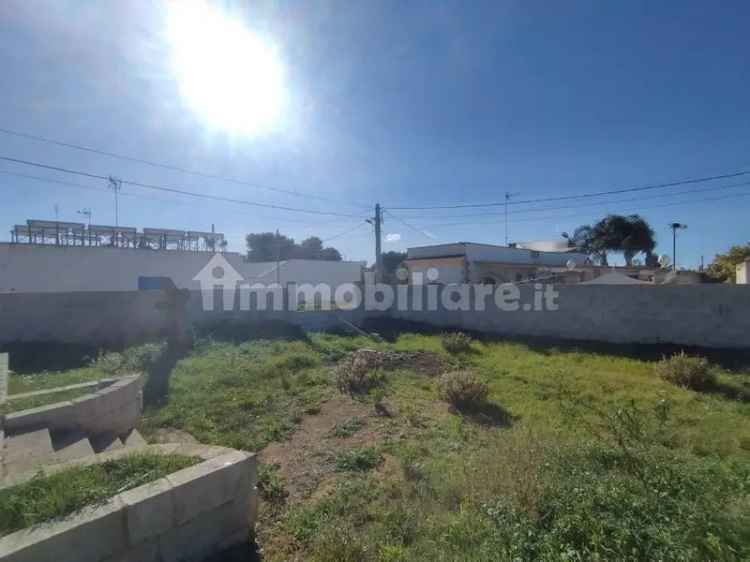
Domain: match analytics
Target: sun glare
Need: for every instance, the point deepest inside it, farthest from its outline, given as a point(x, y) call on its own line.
point(227, 74)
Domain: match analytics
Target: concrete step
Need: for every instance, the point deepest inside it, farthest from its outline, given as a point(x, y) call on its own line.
point(25, 451)
point(133, 439)
point(103, 442)
point(71, 445)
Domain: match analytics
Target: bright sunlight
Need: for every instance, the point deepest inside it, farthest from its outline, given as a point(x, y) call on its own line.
point(228, 75)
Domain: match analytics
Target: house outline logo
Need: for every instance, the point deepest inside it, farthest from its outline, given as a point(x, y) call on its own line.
point(218, 272)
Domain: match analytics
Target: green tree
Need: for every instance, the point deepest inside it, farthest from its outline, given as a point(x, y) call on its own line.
point(630, 235)
point(391, 262)
point(270, 246)
point(724, 266)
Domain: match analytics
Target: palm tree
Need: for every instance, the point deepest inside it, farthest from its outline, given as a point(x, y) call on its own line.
point(630, 235)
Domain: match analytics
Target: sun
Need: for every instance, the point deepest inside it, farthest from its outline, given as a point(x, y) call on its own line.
point(226, 73)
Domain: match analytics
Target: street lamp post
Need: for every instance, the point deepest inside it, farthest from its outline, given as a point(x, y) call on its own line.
point(675, 226)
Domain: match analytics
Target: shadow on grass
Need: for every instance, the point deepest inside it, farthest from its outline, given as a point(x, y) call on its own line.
point(33, 357)
point(246, 552)
point(157, 382)
point(488, 414)
point(739, 392)
point(730, 359)
point(237, 331)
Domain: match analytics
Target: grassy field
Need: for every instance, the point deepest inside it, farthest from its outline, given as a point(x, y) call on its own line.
point(49, 497)
point(577, 453)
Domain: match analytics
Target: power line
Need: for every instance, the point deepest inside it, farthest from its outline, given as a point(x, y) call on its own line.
point(303, 223)
point(348, 231)
point(414, 228)
point(557, 217)
point(178, 191)
point(579, 196)
point(593, 204)
point(171, 167)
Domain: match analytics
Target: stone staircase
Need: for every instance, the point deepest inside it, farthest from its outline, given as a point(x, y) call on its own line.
point(30, 450)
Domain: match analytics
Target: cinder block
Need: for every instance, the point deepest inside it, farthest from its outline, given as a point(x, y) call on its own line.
point(52, 416)
point(208, 533)
point(149, 510)
point(238, 468)
point(144, 552)
point(197, 489)
point(84, 410)
point(95, 533)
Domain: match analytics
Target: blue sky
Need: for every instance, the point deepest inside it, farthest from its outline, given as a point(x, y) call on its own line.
point(402, 103)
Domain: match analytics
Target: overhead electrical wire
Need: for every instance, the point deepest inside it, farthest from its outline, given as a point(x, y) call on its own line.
point(557, 217)
point(412, 227)
point(173, 168)
point(577, 196)
point(592, 204)
point(104, 191)
point(177, 190)
point(344, 233)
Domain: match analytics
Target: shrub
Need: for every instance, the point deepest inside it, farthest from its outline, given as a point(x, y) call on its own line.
point(360, 372)
point(456, 342)
point(271, 485)
point(462, 389)
point(358, 460)
point(686, 371)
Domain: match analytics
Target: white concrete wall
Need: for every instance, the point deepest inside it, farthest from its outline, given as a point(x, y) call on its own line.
point(743, 273)
point(26, 268)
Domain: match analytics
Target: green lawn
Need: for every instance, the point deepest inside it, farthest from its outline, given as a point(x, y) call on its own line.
point(57, 495)
point(578, 454)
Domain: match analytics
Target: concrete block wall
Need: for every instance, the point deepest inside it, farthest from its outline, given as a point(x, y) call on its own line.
point(114, 408)
point(184, 517)
point(699, 315)
point(99, 318)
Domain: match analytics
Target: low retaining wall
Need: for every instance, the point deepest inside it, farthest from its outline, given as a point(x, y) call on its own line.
point(114, 408)
point(186, 516)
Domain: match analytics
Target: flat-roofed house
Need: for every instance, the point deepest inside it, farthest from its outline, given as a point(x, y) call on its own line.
point(468, 262)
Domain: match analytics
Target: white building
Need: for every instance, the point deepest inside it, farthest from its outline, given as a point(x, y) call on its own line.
point(32, 268)
point(467, 262)
point(743, 272)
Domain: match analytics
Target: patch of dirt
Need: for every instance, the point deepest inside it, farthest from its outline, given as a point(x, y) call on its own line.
point(423, 362)
point(307, 459)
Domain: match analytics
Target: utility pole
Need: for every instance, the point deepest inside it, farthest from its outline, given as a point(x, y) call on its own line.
point(278, 258)
point(508, 195)
point(116, 186)
point(378, 257)
point(675, 226)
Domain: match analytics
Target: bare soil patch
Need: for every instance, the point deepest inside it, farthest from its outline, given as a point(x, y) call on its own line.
point(307, 459)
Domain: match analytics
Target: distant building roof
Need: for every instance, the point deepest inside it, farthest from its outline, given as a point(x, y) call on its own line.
point(497, 254)
point(547, 246)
